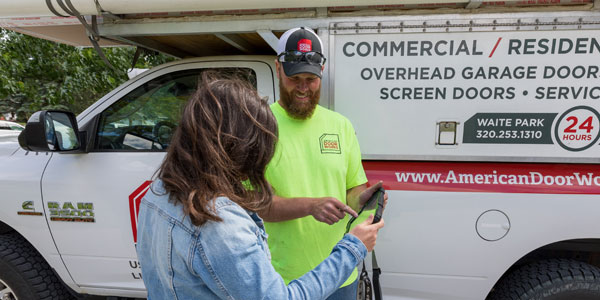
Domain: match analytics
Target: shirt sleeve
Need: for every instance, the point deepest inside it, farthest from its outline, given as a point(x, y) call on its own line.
point(355, 174)
point(229, 258)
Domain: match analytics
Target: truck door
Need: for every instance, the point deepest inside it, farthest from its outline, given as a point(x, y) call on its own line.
point(87, 196)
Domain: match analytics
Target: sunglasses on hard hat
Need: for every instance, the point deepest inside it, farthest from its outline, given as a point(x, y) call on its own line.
point(295, 56)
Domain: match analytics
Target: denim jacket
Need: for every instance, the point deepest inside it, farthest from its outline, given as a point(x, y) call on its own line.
point(225, 260)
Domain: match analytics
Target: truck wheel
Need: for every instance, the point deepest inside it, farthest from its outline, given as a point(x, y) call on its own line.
point(554, 279)
point(24, 274)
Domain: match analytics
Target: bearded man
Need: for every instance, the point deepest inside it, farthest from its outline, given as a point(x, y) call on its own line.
point(316, 172)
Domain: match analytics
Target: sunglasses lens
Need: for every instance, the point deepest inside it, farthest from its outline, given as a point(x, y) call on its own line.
point(292, 56)
point(314, 58)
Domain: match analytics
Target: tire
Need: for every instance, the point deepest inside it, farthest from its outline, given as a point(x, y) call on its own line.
point(24, 274)
point(554, 279)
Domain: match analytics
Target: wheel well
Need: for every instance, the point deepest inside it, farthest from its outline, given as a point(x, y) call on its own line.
point(5, 228)
point(583, 250)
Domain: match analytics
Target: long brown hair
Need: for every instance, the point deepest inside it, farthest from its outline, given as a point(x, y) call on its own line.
point(221, 147)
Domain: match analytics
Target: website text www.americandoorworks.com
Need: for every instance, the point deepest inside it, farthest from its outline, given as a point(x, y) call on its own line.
point(493, 178)
point(486, 177)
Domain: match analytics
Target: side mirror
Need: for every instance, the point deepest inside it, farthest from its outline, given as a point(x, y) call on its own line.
point(50, 131)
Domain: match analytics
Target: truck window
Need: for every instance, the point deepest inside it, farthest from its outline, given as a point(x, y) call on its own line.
point(146, 118)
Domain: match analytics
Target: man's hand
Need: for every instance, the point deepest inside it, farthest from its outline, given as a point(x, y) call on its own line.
point(366, 194)
point(367, 232)
point(330, 210)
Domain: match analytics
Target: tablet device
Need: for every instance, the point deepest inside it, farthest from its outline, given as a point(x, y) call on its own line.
point(376, 202)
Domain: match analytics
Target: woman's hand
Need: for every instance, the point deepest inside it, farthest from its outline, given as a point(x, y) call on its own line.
point(367, 232)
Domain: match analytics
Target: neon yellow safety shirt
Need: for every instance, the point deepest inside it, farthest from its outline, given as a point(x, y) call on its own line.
point(317, 157)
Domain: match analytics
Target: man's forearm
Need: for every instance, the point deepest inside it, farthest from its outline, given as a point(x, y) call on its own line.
point(284, 209)
point(353, 196)
point(325, 209)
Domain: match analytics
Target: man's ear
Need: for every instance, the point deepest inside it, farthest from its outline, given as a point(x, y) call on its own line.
point(277, 66)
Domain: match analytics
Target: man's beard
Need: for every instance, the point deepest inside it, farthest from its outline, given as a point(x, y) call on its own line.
point(301, 110)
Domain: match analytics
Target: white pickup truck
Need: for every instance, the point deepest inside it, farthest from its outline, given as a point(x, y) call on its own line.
point(480, 117)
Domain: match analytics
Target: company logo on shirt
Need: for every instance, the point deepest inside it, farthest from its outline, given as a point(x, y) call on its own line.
point(330, 143)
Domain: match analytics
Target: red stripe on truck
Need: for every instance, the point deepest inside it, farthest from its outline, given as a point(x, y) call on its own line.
point(485, 177)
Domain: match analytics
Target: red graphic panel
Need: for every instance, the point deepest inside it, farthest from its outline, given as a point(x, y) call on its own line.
point(486, 177)
point(134, 205)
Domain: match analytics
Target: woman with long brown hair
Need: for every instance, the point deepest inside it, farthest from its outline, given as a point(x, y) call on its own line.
point(199, 236)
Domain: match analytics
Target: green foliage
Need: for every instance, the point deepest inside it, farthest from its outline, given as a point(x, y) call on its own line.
point(36, 74)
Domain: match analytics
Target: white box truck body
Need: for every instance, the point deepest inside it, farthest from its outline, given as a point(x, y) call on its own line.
point(483, 124)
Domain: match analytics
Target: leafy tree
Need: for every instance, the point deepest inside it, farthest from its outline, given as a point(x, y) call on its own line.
point(36, 74)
